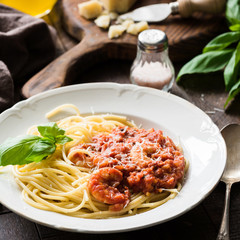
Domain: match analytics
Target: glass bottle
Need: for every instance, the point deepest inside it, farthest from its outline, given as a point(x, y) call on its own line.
point(152, 66)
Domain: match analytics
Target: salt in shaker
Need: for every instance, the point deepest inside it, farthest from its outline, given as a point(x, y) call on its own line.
point(152, 66)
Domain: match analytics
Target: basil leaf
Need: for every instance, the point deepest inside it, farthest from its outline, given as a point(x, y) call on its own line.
point(235, 90)
point(222, 41)
point(50, 130)
point(206, 63)
point(233, 11)
point(232, 69)
point(235, 27)
point(62, 139)
point(25, 149)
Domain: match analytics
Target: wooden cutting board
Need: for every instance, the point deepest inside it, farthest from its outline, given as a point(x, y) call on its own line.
point(186, 38)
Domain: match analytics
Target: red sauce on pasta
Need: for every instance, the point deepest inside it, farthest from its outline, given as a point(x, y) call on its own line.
point(143, 161)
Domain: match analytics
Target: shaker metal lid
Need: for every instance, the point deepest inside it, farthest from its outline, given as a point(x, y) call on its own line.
point(152, 40)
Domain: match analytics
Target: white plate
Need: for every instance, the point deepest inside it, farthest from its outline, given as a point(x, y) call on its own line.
point(200, 138)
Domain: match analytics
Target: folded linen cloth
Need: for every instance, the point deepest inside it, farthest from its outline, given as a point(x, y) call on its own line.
point(26, 45)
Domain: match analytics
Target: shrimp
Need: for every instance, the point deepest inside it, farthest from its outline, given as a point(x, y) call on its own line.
point(80, 156)
point(104, 185)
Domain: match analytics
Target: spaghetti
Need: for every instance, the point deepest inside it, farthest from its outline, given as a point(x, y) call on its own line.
point(110, 169)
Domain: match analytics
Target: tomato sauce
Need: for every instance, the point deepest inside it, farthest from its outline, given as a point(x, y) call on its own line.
point(148, 160)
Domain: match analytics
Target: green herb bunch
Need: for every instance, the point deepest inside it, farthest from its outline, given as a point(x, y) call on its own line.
point(221, 54)
point(30, 148)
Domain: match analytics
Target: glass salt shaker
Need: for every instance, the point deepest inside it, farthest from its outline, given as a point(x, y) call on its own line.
point(152, 66)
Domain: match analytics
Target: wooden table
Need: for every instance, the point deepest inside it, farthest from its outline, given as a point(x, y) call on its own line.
point(202, 222)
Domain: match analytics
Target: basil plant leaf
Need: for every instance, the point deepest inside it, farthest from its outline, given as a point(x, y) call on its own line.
point(235, 27)
point(235, 90)
point(222, 41)
point(25, 149)
point(233, 11)
point(232, 69)
point(206, 63)
point(50, 130)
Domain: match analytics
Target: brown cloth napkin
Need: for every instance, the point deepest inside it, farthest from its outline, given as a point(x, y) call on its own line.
point(26, 45)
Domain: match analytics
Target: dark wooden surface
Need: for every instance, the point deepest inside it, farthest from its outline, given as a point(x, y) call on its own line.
point(200, 223)
point(95, 46)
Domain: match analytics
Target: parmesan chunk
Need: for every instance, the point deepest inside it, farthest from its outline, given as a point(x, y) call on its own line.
point(103, 21)
point(90, 9)
point(116, 31)
point(137, 27)
point(127, 23)
point(119, 6)
point(105, 12)
point(113, 15)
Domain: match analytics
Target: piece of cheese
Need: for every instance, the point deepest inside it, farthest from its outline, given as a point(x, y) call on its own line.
point(90, 9)
point(127, 23)
point(136, 28)
point(119, 6)
point(103, 21)
point(116, 31)
point(113, 15)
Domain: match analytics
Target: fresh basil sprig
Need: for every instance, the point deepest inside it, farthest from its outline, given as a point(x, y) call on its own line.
point(29, 148)
point(221, 54)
